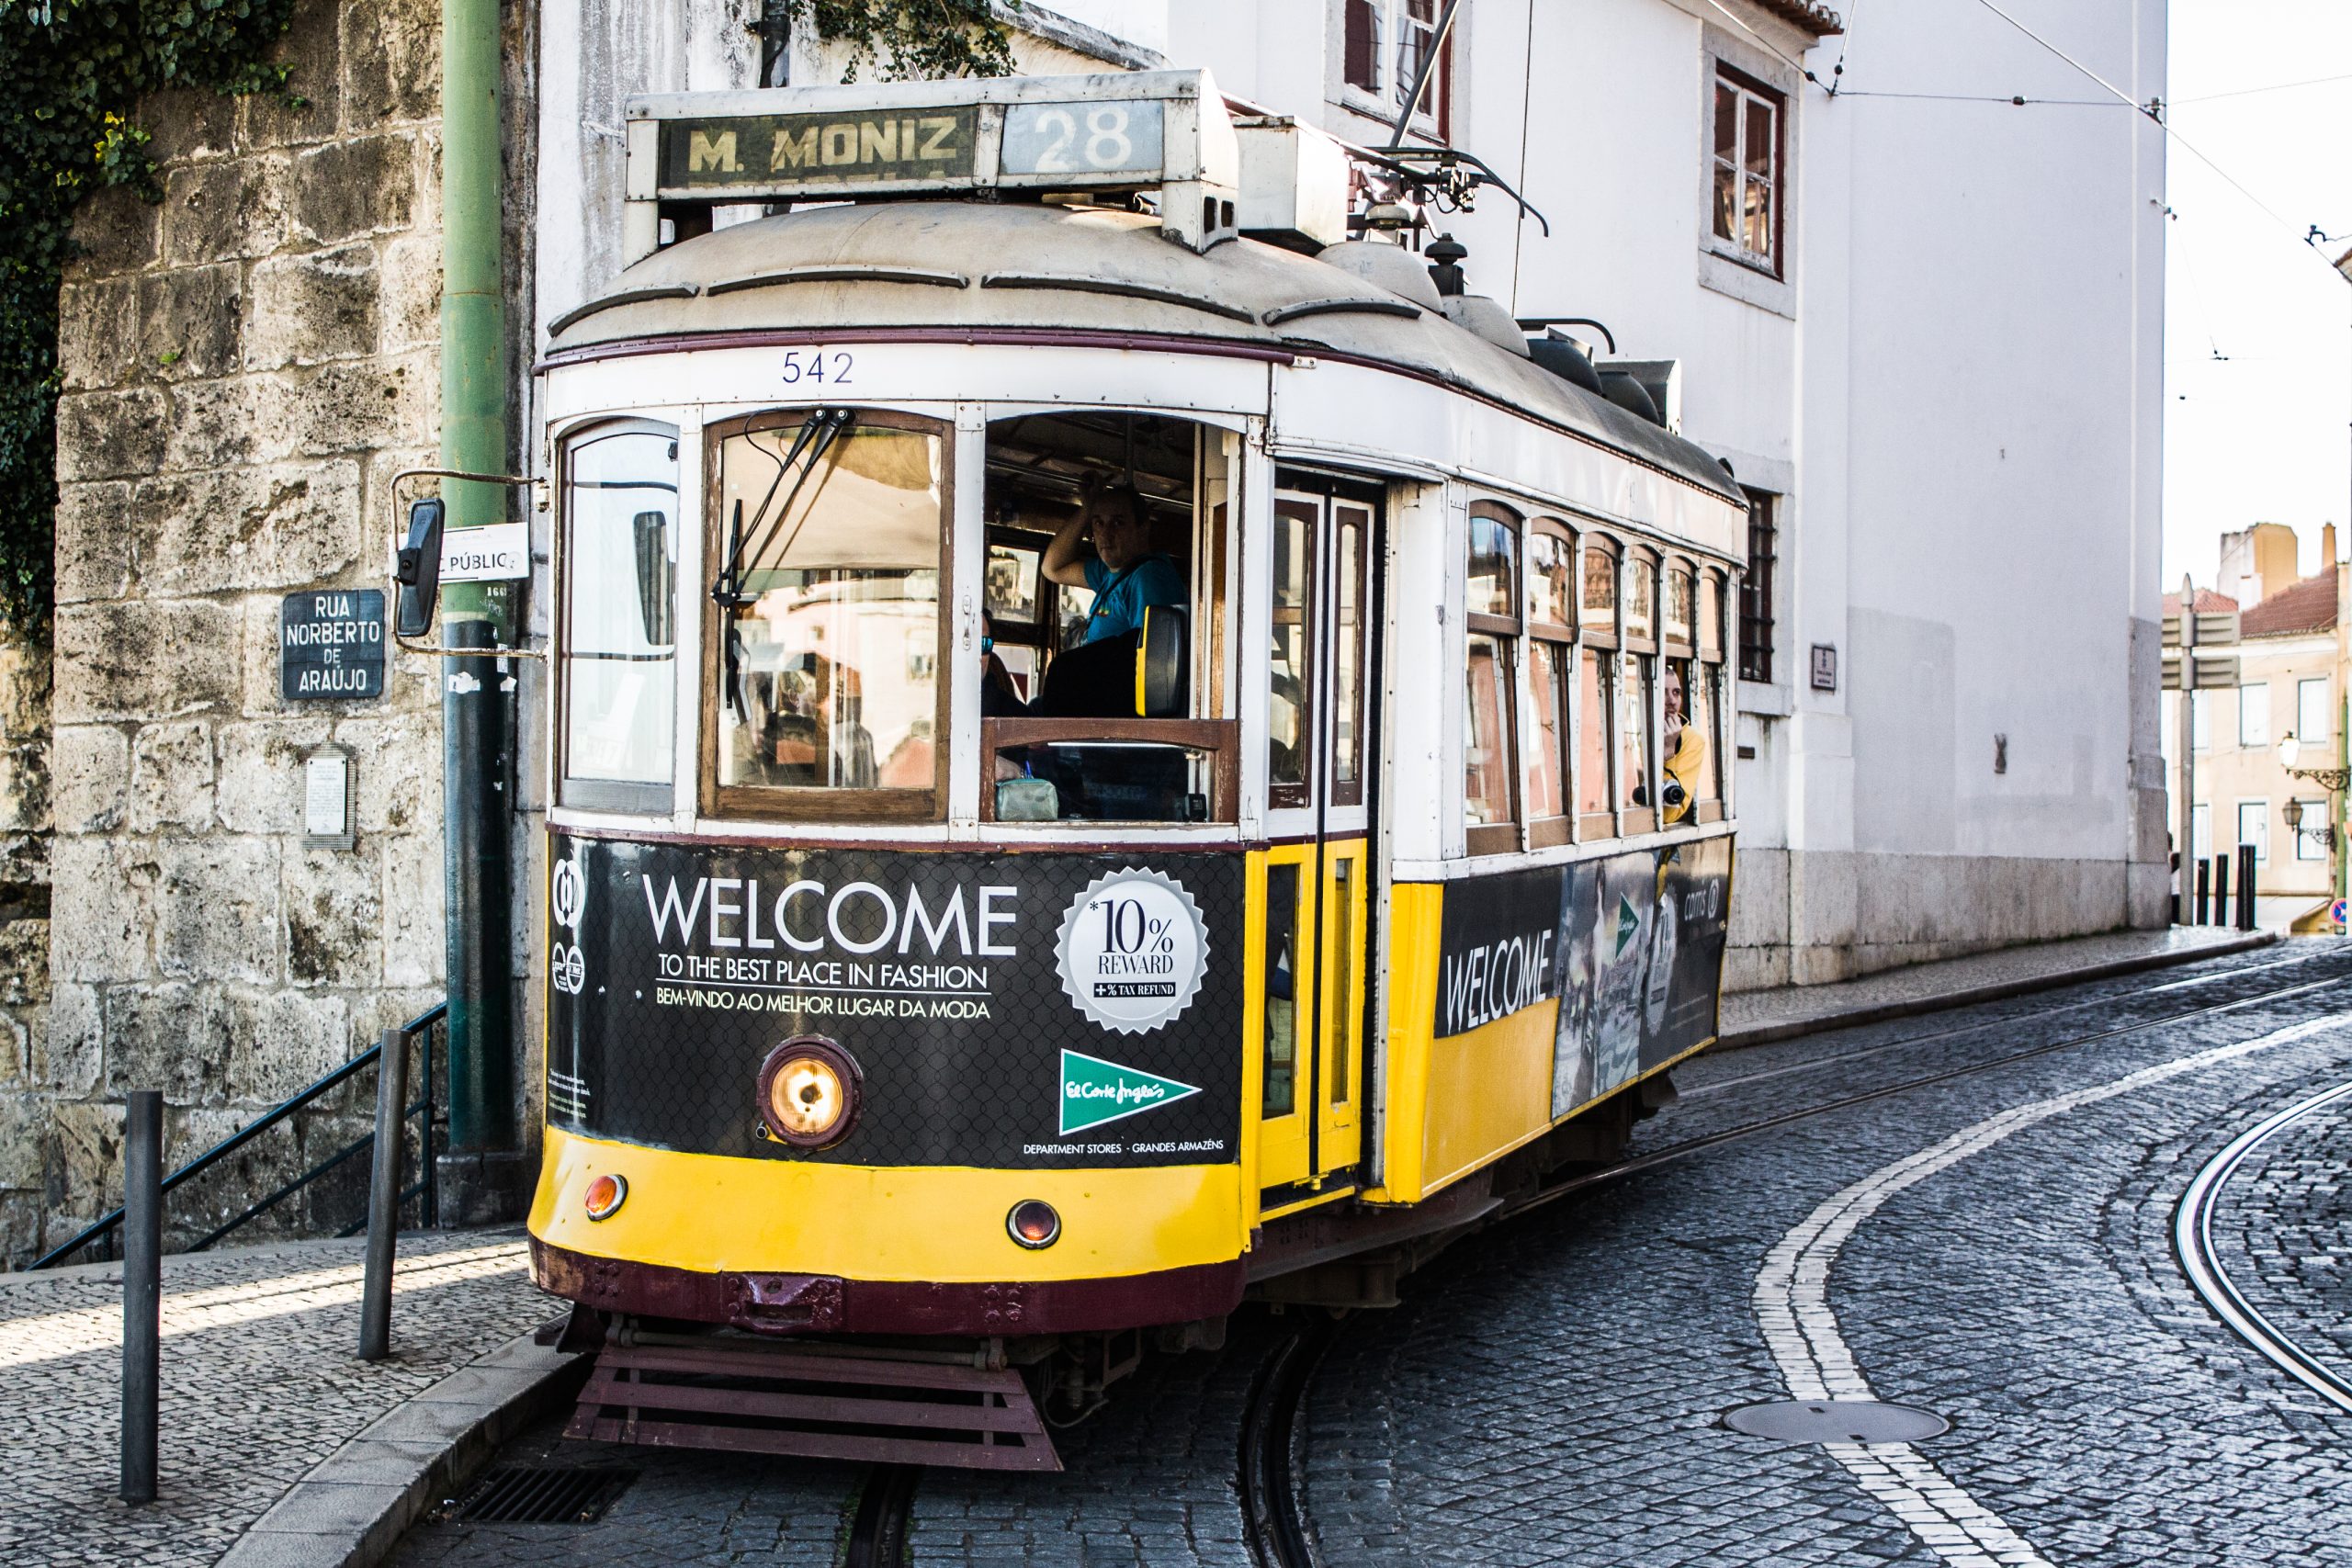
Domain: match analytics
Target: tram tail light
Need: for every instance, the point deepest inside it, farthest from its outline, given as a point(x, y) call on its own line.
point(1033, 1224)
point(605, 1195)
point(809, 1092)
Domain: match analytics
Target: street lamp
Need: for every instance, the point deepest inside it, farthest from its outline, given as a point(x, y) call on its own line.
point(2333, 780)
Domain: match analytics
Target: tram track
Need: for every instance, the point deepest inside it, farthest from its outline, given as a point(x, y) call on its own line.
point(1272, 1436)
point(2202, 1262)
point(885, 1504)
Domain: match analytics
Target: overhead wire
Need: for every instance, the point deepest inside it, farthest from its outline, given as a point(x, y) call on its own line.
point(2273, 87)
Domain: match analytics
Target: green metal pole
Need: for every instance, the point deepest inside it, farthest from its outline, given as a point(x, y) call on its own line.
point(477, 695)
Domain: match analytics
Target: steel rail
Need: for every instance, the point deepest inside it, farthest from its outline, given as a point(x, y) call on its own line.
point(1734, 1134)
point(1908, 1039)
point(1274, 1522)
point(885, 1504)
point(2193, 1243)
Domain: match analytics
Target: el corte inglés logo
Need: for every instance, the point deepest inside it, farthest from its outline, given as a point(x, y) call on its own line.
point(1095, 1091)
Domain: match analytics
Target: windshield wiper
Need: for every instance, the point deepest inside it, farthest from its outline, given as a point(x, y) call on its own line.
point(818, 434)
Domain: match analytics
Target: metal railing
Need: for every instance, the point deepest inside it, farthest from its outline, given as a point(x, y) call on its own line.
point(427, 1108)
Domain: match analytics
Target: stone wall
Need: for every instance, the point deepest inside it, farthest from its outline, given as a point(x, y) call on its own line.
point(246, 365)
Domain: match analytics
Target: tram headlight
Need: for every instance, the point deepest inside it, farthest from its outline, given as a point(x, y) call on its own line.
point(605, 1195)
point(1033, 1224)
point(809, 1090)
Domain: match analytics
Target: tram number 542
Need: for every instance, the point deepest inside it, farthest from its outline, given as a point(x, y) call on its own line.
point(817, 364)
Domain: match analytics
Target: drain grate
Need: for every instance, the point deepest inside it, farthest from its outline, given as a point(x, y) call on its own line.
point(524, 1494)
point(1837, 1421)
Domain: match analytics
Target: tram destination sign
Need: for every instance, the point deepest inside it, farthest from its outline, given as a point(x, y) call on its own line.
point(331, 644)
point(1166, 131)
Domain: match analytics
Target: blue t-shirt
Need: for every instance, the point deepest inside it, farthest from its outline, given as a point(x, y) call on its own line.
point(1153, 581)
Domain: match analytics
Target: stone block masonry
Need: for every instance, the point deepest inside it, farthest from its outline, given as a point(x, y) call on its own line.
point(245, 365)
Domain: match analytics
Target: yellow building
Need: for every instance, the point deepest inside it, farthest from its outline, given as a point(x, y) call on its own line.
point(2291, 679)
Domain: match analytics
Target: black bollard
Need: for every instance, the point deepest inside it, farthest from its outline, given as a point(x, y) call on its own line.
point(2204, 891)
point(142, 1287)
point(2221, 890)
point(383, 1198)
point(2245, 887)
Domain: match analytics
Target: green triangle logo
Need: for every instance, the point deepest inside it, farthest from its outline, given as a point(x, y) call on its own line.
point(1095, 1091)
point(1628, 923)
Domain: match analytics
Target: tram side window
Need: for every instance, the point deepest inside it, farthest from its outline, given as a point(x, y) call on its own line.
point(826, 645)
point(1638, 672)
point(1551, 668)
point(1681, 746)
point(1596, 690)
point(1490, 762)
point(619, 676)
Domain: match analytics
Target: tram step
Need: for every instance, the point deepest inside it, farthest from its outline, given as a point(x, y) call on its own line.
point(771, 1399)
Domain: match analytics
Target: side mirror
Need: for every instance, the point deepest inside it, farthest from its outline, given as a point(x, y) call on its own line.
point(656, 578)
point(418, 568)
point(1163, 663)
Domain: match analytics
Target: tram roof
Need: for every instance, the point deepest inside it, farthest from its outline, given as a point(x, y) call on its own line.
point(963, 266)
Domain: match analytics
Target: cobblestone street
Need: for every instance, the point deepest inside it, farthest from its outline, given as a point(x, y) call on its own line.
point(259, 1383)
point(1996, 1247)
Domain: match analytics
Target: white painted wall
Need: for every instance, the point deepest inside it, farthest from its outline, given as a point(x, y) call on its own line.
point(1956, 391)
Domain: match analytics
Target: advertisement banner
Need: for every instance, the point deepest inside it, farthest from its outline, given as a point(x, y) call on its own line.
point(1631, 945)
point(1008, 1010)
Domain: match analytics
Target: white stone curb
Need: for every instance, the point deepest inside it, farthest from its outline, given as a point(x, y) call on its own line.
point(353, 1509)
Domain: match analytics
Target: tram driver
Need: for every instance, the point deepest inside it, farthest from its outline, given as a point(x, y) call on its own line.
point(1125, 572)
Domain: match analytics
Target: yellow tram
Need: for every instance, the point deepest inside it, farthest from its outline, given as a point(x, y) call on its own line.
point(1115, 748)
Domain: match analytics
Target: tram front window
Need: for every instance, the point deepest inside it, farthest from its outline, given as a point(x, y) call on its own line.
point(827, 538)
point(1101, 528)
point(621, 561)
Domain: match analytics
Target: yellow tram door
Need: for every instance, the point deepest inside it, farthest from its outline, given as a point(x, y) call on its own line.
point(1316, 895)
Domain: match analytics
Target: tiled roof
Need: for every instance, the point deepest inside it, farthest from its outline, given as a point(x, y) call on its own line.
point(2208, 602)
point(1818, 20)
point(2307, 606)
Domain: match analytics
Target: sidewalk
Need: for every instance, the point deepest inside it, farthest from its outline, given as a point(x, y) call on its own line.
point(264, 1402)
point(1755, 1018)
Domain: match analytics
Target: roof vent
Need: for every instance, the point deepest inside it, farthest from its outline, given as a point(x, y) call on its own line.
point(1558, 353)
point(1445, 258)
point(1385, 266)
point(1480, 314)
point(1659, 381)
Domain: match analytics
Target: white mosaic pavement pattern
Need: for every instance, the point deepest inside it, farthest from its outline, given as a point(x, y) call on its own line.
point(259, 1383)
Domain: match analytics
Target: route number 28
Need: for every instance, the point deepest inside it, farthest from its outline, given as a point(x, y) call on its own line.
point(1107, 144)
point(817, 364)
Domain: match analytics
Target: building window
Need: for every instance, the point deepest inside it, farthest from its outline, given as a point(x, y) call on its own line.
point(2253, 827)
point(1755, 592)
point(2200, 721)
point(2311, 839)
point(2200, 832)
point(1748, 174)
point(2310, 710)
point(2253, 716)
point(1383, 45)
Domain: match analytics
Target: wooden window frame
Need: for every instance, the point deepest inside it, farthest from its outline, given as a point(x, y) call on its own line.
point(1713, 591)
point(1352, 793)
point(1755, 588)
point(1499, 838)
point(1604, 639)
point(1631, 648)
point(1546, 832)
point(766, 803)
point(1771, 261)
point(634, 796)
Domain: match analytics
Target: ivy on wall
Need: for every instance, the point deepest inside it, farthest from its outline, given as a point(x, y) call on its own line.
point(71, 75)
point(913, 40)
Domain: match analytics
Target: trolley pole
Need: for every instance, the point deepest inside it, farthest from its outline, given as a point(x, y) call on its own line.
point(142, 1289)
point(477, 698)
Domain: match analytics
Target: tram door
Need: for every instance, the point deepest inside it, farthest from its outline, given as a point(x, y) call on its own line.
point(1317, 902)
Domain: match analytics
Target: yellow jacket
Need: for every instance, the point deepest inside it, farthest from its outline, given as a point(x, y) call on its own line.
point(1683, 768)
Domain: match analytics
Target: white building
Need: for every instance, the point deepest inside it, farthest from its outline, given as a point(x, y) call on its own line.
point(1929, 347)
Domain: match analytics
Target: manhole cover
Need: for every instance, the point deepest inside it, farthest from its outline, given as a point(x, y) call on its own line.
point(524, 1494)
point(1837, 1421)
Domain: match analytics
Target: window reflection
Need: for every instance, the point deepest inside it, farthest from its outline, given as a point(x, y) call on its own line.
point(620, 607)
point(1487, 734)
point(829, 609)
point(1548, 758)
point(1290, 689)
point(1634, 733)
point(1598, 695)
point(1279, 1094)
